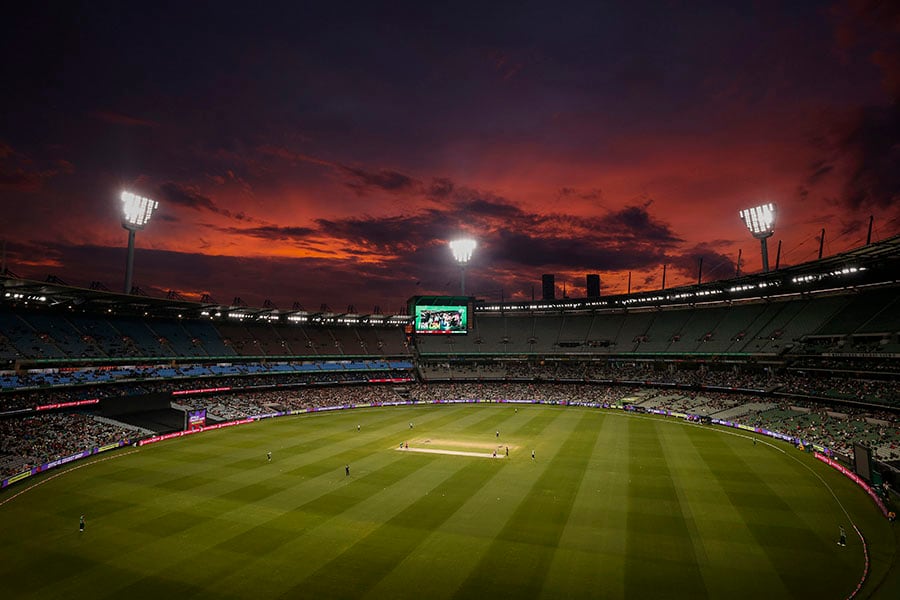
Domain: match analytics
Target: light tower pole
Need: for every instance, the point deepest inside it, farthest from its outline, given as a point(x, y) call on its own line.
point(136, 213)
point(462, 252)
point(760, 221)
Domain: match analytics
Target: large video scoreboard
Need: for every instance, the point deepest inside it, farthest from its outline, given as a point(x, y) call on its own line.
point(441, 315)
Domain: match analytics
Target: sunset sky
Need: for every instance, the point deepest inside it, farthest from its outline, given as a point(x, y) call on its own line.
point(325, 153)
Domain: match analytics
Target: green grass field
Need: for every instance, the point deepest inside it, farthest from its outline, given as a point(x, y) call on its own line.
point(614, 506)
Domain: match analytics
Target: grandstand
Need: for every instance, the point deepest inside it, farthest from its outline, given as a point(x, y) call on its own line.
point(824, 331)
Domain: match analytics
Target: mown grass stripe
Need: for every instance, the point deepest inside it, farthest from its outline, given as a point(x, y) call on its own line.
point(657, 536)
point(251, 534)
point(268, 480)
point(517, 561)
point(253, 540)
point(372, 557)
point(591, 555)
point(777, 529)
point(732, 563)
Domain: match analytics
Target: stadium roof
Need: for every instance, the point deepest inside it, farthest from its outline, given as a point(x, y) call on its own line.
point(875, 263)
point(56, 293)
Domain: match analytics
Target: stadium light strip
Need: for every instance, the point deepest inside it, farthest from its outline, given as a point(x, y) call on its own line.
point(67, 404)
point(200, 391)
point(177, 434)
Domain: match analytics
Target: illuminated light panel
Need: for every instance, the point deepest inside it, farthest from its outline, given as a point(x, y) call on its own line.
point(137, 210)
point(463, 249)
point(760, 220)
point(67, 404)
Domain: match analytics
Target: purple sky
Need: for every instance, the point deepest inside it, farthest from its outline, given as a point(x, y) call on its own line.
point(327, 154)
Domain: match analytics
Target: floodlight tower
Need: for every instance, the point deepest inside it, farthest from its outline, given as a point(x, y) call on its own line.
point(760, 220)
point(462, 252)
point(136, 212)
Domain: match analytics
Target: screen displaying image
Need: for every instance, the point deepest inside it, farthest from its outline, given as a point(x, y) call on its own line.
point(441, 319)
point(196, 419)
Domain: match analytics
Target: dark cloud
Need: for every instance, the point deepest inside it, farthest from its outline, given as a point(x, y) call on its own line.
point(852, 226)
point(637, 224)
point(230, 177)
point(889, 63)
point(493, 208)
point(362, 181)
point(20, 180)
point(185, 195)
point(818, 170)
point(32, 259)
point(871, 145)
point(520, 250)
point(190, 197)
point(19, 172)
point(571, 192)
point(874, 25)
point(505, 65)
point(393, 234)
point(513, 237)
point(385, 180)
point(440, 188)
point(868, 142)
point(291, 156)
point(271, 232)
point(865, 146)
point(716, 265)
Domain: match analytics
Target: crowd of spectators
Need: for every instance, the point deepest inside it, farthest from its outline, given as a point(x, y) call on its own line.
point(705, 404)
point(496, 392)
point(247, 404)
point(837, 430)
point(833, 428)
point(817, 384)
point(847, 364)
point(790, 382)
point(41, 378)
point(625, 371)
point(31, 441)
point(32, 398)
point(873, 344)
point(11, 401)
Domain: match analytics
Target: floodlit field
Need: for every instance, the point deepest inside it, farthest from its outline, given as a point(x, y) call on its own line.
point(614, 506)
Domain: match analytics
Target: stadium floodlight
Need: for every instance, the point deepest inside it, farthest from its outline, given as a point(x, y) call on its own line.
point(136, 213)
point(462, 253)
point(760, 221)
